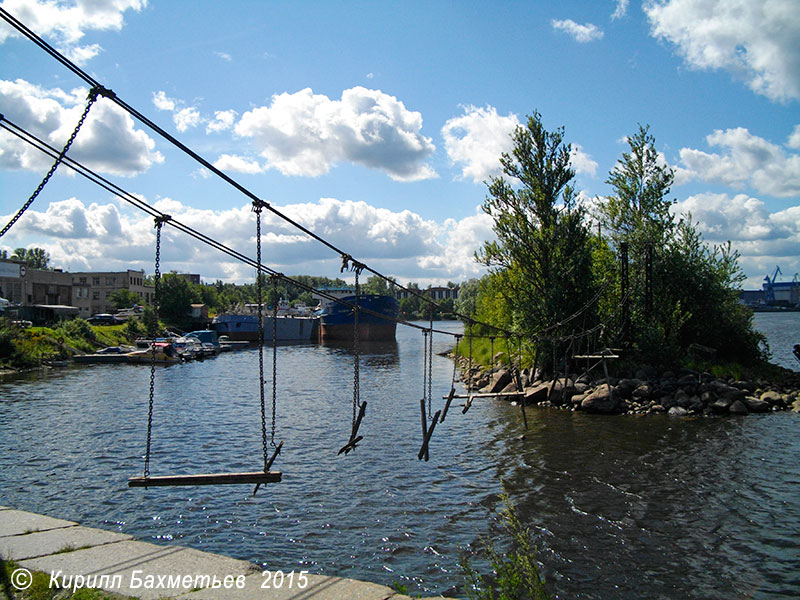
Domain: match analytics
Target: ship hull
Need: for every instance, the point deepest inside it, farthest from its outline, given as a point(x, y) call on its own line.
point(376, 319)
point(245, 328)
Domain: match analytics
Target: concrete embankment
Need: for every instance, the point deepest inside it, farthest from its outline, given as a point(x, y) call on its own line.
point(74, 557)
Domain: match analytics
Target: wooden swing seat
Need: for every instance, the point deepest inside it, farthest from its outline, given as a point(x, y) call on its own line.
point(257, 477)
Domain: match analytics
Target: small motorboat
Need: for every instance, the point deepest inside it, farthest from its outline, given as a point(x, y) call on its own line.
point(165, 354)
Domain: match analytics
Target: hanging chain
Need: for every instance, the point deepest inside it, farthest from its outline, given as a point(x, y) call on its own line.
point(156, 301)
point(430, 373)
point(356, 340)
point(455, 360)
point(257, 207)
point(91, 98)
point(274, 356)
point(469, 373)
point(424, 364)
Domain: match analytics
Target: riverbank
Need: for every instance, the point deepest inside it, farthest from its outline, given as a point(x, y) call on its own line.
point(73, 557)
point(679, 394)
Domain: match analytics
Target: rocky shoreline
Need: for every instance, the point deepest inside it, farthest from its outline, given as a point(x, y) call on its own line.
point(678, 394)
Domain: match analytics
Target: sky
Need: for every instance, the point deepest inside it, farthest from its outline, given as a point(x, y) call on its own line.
point(377, 124)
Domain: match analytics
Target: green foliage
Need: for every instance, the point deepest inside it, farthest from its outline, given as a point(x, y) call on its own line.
point(36, 258)
point(176, 296)
point(515, 572)
point(694, 295)
point(150, 321)
point(541, 263)
point(124, 298)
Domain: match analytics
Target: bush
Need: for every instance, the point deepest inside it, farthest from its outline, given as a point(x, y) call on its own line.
point(515, 573)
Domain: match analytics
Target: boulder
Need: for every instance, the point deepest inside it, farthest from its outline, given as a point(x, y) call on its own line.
point(720, 405)
point(756, 405)
point(696, 404)
point(601, 400)
point(772, 398)
point(536, 394)
point(625, 387)
point(657, 408)
point(737, 407)
point(796, 406)
point(643, 391)
point(682, 398)
point(677, 411)
point(559, 388)
point(499, 380)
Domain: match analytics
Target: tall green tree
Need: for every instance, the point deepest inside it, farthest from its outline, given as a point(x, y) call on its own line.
point(176, 296)
point(543, 250)
point(693, 297)
point(36, 258)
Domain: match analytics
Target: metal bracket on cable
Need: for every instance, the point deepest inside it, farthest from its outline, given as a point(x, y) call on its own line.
point(258, 205)
point(99, 90)
point(161, 219)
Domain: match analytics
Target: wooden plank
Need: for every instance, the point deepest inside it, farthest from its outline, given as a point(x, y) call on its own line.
point(206, 479)
point(485, 395)
point(596, 356)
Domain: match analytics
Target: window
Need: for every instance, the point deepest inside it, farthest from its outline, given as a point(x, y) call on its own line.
point(108, 294)
point(111, 280)
point(82, 280)
point(95, 295)
point(95, 281)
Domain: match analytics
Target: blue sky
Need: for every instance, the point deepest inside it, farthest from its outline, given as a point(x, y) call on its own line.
point(376, 123)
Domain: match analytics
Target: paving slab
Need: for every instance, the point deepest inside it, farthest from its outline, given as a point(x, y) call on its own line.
point(42, 543)
point(317, 587)
point(145, 570)
point(17, 522)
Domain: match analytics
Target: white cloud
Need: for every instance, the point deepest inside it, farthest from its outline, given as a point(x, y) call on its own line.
point(223, 120)
point(477, 139)
point(184, 117)
point(747, 160)
point(794, 138)
point(764, 239)
point(399, 243)
point(224, 56)
point(230, 162)
point(581, 33)
point(307, 134)
point(582, 162)
point(621, 10)
point(67, 22)
point(162, 101)
point(756, 40)
point(108, 141)
point(462, 239)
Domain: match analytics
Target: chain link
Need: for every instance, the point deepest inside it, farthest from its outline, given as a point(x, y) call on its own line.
point(92, 97)
point(156, 302)
point(356, 349)
point(430, 373)
point(257, 207)
point(274, 357)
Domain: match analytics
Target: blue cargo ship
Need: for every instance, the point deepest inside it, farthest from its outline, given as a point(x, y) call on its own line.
point(337, 319)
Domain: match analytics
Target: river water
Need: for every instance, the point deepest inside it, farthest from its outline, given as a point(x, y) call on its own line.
point(620, 507)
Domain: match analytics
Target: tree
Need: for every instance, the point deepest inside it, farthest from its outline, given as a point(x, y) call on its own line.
point(36, 258)
point(176, 298)
point(692, 297)
point(542, 256)
point(124, 298)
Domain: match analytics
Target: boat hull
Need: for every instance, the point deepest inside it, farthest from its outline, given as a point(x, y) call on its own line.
point(376, 319)
point(245, 327)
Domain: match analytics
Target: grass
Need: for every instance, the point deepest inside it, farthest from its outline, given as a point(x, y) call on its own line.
point(40, 588)
point(26, 348)
point(515, 571)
